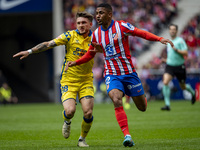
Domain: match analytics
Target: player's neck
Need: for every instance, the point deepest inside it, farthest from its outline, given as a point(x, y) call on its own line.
point(105, 26)
point(85, 34)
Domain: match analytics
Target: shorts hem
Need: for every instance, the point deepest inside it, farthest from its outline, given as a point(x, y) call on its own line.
point(68, 99)
point(86, 96)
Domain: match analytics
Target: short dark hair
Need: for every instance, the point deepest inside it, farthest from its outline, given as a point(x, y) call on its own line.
point(85, 15)
point(176, 26)
point(105, 5)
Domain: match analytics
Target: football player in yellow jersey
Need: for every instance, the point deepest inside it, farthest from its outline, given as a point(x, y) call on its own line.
point(78, 79)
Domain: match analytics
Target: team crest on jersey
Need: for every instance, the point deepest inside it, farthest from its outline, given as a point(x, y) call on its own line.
point(115, 36)
point(128, 25)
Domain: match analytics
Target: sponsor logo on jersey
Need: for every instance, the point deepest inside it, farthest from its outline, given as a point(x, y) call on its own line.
point(109, 50)
point(128, 25)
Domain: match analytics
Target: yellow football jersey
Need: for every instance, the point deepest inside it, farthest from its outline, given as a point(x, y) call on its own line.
point(75, 47)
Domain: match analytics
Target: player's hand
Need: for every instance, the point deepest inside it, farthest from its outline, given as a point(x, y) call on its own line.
point(165, 41)
point(174, 48)
point(97, 48)
point(23, 54)
point(70, 64)
point(163, 60)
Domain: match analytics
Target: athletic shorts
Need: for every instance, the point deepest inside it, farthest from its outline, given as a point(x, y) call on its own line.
point(177, 71)
point(70, 90)
point(129, 84)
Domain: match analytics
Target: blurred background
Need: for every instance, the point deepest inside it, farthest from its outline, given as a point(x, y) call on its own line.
point(26, 23)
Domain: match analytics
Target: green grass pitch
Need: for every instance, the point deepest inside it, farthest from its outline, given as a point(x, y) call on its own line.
point(38, 127)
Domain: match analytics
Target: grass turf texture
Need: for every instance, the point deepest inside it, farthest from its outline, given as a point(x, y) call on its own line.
point(38, 127)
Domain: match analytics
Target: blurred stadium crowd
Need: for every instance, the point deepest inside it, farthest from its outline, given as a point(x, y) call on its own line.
point(150, 15)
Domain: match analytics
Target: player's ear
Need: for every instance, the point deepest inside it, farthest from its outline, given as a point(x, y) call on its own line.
point(91, 24)
point(110, 14)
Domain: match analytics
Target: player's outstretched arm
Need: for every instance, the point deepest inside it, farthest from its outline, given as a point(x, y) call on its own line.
point(87, 57)
point(182, 52)
point(37, 49)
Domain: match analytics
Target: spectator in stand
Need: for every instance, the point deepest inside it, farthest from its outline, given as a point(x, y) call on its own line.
point(6, 95)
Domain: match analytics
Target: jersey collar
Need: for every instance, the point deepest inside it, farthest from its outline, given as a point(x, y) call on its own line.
point(108, 27)
point(80, 34)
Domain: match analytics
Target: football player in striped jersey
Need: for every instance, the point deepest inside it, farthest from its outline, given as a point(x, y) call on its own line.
point(120, 75)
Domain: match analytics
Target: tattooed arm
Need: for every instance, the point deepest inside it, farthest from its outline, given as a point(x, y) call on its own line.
point(37, 49)
point(43, 46)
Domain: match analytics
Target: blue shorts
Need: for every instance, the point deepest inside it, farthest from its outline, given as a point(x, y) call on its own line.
point(129, 84)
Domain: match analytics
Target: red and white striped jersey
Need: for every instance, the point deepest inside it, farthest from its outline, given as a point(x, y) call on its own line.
point(114, 42)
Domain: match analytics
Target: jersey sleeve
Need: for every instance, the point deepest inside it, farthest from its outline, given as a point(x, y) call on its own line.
point(129, 29)
point(87, 57)
point(63, 39)
point(147, 35)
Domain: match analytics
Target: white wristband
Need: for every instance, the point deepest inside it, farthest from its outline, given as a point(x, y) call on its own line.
point(30, 51)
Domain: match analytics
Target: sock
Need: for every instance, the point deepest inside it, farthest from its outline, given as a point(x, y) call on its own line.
point(166, 94)
point(81, 138)
point(190, 89)
point(85, 126)
point(67, 119)
point(122, 120)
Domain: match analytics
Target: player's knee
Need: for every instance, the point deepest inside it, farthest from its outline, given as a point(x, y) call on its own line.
point(143, 109)
point(70, 112)
point(88, 114)
point(117, 102)
point(116, 97)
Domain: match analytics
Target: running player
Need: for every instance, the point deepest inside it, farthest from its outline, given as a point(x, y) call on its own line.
point(175, 66)
point(77, 80)
point(120, 75)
